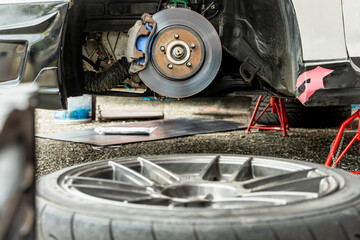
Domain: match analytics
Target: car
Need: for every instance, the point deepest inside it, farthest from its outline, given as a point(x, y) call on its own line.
point(300, 49)
point(294, 49)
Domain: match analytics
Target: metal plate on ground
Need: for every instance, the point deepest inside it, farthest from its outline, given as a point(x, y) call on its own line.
point(165, 129)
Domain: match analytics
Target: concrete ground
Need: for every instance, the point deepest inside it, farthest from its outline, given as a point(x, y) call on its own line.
point(302, 144)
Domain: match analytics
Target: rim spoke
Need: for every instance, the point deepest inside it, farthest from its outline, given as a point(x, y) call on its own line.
point(102, 183)
point(157, 173)
point(108, 189)
point(277, 179)
point(249, 202)
point(115, 195)
point(124, 174)
point(244, 172)
point(301, 185)
point(289, 196)
point(211, 171)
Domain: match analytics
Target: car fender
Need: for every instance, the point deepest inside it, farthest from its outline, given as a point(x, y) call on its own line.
point(30, 43)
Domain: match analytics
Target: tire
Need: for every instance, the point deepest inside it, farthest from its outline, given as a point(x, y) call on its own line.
point(304, 117)
point(69, 207)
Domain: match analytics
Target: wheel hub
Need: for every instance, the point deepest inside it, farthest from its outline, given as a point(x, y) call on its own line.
point(178, 53)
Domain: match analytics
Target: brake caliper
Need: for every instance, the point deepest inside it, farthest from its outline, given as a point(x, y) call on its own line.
point(139, 41)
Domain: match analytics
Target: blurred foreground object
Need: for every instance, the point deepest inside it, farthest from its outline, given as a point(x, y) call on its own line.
point(17, 191)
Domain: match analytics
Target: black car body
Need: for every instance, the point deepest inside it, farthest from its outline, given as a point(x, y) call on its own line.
point(285, 48)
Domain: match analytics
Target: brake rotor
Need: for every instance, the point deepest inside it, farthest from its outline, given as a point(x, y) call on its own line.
point(185, 54)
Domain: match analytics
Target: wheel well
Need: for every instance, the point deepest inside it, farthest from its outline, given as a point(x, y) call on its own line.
point(94, 15)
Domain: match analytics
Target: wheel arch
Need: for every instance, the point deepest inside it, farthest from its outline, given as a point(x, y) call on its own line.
point(265, 35)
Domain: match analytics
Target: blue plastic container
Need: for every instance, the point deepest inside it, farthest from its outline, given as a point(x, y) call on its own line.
point(79, 111)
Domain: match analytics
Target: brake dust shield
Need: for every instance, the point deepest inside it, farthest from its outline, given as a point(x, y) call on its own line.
point(185, 54)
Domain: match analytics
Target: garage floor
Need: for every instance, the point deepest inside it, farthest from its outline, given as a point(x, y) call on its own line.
point(311, 145)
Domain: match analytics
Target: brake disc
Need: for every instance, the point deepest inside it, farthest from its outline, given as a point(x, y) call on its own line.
point(185, 54)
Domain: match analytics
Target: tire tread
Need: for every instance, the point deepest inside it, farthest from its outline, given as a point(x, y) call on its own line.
point(252, 231)
point(195, 232)
point(293, 229)
point(349, 222)
point(153, 235)
point(72, 226)
point(40, 212)
point(111, 230)
point(56, 224)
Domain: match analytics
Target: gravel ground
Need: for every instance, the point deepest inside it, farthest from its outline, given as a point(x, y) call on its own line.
point(302, 144)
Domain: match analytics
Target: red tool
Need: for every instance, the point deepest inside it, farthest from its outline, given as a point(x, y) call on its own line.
point(277, 107)
point(338, 137)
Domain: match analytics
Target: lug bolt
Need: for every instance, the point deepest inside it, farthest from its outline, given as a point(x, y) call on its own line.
point(170, 66)
point(176, 36)
point(162, 48)
point(213, 6)
point(192, 45)
point(188, 64)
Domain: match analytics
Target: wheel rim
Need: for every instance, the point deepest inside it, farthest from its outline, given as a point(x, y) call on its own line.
point(211, 181)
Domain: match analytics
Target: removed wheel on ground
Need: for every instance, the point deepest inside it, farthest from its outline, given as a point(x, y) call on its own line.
point(305, 117)
point(198, 197)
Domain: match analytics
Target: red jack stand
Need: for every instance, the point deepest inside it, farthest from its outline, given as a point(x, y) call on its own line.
point(338, 137)
point(278, 107)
